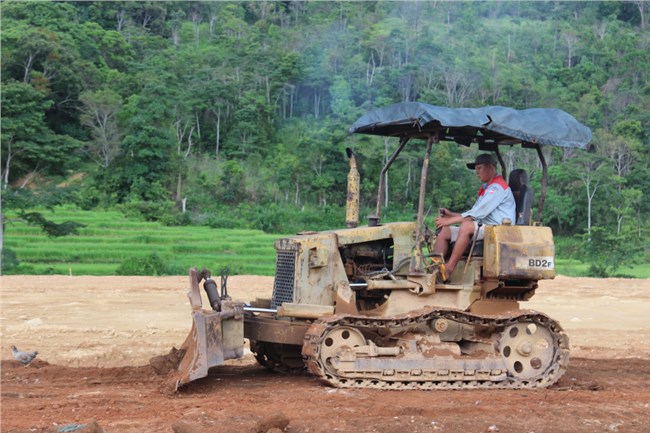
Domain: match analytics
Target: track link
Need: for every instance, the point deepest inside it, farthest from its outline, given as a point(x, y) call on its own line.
point(461, 372)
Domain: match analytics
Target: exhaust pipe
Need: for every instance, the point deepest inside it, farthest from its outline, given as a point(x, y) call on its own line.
point(352, 202)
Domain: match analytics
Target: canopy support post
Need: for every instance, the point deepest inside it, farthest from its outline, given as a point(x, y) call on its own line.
point(542, 195)
point(503, 164)
point(416, 259)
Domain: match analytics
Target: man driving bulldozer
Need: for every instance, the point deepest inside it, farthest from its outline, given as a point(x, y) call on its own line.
point(495, 203)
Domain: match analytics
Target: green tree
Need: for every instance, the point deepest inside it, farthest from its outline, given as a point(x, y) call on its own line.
point(29, 146)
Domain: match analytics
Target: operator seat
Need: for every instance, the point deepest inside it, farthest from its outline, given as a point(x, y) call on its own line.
point(523, 193)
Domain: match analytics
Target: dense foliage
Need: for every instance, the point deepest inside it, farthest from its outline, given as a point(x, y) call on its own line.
point(161, 107)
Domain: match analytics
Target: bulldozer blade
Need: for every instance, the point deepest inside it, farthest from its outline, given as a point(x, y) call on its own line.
point(202, 348)
point(215, 337)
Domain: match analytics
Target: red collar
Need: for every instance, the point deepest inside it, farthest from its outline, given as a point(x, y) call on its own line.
point(498, 179)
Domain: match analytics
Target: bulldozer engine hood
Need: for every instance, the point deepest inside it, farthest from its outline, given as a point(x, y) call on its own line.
point(488, 126)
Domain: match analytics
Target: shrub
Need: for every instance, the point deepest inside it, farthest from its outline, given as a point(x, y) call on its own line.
point(9, 261)
point(151, 264)
point(221, 221)
point(606, 251)
point(163, 211)
point(270, 218)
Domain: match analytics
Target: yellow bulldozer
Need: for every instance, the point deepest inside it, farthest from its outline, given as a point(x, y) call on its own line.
point(370, 306)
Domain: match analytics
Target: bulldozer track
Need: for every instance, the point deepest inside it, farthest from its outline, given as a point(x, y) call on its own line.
point(442, 377)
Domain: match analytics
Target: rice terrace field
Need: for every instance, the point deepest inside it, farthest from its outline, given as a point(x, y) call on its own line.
point(110, 239)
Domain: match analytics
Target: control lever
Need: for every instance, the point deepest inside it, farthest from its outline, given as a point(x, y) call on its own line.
point(471, 250)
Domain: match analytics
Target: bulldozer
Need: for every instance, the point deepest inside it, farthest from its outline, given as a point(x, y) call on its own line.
point(371, 306)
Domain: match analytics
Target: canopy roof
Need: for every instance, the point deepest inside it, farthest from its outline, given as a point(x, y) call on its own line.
point(488, 126)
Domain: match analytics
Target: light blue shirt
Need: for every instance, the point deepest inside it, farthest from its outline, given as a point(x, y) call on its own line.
point(495, 203)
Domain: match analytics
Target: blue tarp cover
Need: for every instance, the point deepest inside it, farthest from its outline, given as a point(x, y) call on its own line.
point(487, 126)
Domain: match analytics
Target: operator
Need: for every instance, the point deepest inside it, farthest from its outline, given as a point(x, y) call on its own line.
point(495, 203)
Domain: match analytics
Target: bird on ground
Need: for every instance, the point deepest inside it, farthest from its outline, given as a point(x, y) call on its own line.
point(23, 357)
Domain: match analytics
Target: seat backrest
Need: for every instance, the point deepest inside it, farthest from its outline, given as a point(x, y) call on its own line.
point(523, 193)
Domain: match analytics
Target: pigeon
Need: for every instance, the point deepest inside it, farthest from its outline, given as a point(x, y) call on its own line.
point(23, 357)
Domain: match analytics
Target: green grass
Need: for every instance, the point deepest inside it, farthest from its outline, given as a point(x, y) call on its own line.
point(575, 268)
point(110, 238)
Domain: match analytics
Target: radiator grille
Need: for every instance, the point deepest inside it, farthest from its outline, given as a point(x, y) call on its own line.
point(285, 267)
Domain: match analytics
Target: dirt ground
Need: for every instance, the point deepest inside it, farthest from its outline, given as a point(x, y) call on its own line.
point(95, 336)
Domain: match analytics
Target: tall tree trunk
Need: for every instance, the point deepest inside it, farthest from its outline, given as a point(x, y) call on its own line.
point(179, 185)
point(292, 96)
point(2, 235)
point(218, 138)
point(641, 4)
point(587, 180)
point(198, 124)
point(386, 141)
point(5, 180)
point(28, 67)
point(196, 22)
point(317, 97)
point(268, 89)
point(408, 180)
point(213, 21)
point(120, 19)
